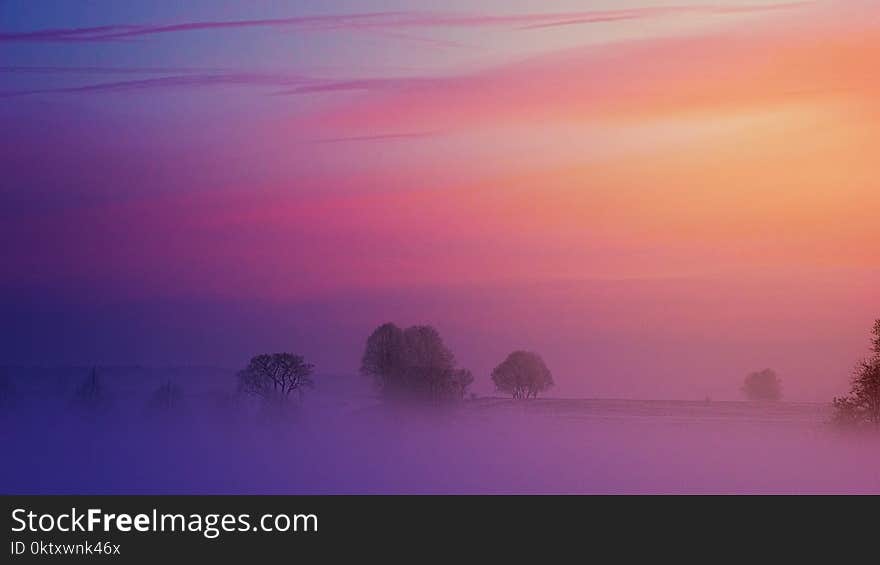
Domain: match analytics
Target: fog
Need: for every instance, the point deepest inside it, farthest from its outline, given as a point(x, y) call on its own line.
point(342, 439)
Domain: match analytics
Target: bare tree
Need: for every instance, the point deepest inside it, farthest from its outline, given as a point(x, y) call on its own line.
point(523, 374)
point(862, 405)
point(762, 385)
point(276, 376)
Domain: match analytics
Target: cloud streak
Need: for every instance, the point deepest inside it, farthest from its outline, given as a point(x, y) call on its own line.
point(378, 137)
point(387, 21)
point(183, 81)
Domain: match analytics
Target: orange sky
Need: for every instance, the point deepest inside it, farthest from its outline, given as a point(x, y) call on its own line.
point(729, 150)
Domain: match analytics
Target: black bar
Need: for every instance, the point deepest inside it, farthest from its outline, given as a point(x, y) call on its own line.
point(419, 527)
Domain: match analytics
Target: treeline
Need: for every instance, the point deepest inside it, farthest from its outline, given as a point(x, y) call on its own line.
point(411, 364)
point(414, 364)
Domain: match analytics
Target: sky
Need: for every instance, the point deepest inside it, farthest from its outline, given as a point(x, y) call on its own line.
point(657, 196)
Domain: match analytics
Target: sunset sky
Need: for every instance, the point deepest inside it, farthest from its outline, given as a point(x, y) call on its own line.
point(658, 195)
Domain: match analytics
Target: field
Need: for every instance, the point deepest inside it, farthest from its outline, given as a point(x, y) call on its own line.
point(342, 440)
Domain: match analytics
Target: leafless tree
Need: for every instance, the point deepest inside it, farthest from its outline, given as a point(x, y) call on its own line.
point(276, 376)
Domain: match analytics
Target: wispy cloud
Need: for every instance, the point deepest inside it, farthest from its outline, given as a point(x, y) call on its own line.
point(182, 81)
point(81, 70)
point(378, 137)
point(379, 21)
point(299, 84)
point(642, 13)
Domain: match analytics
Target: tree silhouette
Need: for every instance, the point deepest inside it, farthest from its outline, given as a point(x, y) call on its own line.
point(90, 392)
point(413, 364)
point(276, 376)
point(383, 359)
point(166, 397)
point(875, 338)
point(762, 385)
point(522, 374)
point(862, 405)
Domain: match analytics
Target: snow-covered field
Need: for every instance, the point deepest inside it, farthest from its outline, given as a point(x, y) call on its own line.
point(342, 440)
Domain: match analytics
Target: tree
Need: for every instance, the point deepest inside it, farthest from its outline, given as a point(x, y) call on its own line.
point(276, 376)
point(90, 393)
point(862, 405)
point(762, 385)
point(522, 374)
point(875, 338)
point(429, 365)
point(413, 364)
point(461, 380)
point(383, 358)
point(166, 397)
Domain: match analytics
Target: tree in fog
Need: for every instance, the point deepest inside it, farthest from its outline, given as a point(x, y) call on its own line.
point(90, 392)
point(862, 405)
point(762, 385)
point(461, 380)
point(276, 376)
point(413, 363)
point(383, 359)
point(166, 397)
point(428, 364)
point(522, 374)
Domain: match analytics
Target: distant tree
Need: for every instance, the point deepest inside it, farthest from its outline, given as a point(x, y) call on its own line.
point(762, 385)
point(462, 379)
point(276, 376)
point(413, 364)
point(862, 405)
point(166, 397)
point(90, 392)
point(429, 366)
point(383, 359)
point(522, 374)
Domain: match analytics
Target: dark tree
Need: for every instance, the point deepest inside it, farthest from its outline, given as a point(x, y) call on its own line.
point(276, 376)
point(875, 338)
point(862, 405)
point(383, 359)
point(166, 397)
point(429, 364)
point(461, 380)
point(522, 374)
point(762, 385)
point(413, 364)
point(90, 392)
